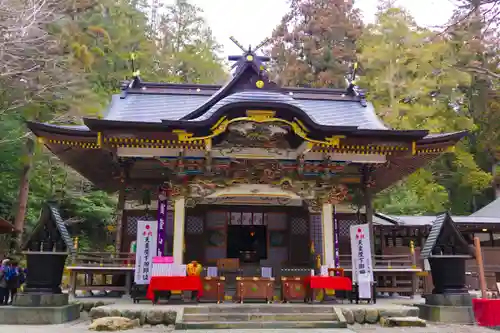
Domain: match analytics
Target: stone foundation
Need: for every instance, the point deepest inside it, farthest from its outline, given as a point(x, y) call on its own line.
point(453, 309)
point(369, 315)
point(39, 309)
point(27, 315)
point(146, 316)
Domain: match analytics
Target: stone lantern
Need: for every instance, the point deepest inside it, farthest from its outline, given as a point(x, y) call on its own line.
point(447, 252)
point(46, 251)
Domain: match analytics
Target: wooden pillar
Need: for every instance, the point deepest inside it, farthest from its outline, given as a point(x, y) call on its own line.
point(119, 220)
point(480, 266)
point(369, 214)
point(22, 199)
point(328, 244)
point(179, 216)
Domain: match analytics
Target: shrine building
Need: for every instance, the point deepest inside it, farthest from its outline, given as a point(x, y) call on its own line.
point(250, 170)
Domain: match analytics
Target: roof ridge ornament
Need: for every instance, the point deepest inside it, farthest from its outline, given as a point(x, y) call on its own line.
point(136, 79)
point(352, 89)
point(250, 59)
point(249, 55)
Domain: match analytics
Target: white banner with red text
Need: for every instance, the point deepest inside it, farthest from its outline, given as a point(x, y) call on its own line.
point(361, 254)
point(147, 233)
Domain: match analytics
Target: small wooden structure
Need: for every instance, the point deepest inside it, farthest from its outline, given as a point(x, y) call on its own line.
point(46, 251)
point(447, 251)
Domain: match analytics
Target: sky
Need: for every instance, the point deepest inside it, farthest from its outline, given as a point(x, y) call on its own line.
point(251, 21)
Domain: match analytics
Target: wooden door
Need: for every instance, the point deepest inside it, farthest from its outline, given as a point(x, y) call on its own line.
point(299, 239)
point(194, 239)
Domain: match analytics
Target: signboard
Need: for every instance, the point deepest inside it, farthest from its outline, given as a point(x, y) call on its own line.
point(162, 221)
point(145, 250)
point(336, 237)
point(362, 270)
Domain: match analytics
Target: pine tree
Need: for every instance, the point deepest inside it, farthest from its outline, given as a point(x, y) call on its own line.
point(315, 44)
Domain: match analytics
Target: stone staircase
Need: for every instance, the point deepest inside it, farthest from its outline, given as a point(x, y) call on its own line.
point(260, 316)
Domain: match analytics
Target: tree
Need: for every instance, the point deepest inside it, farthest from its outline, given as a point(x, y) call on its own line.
point(419, 194)
point(315, 44)
point(474, 33)
point(482, 17)
point(414, 82)
point(81, 50)
point(32, 66)
point(187, 49)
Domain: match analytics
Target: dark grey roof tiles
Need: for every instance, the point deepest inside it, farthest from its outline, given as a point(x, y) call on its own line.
point(490, 210)
point(342, 113)
point(155, 108)
point(409, 220)
point(152, 108)
point(250, 96)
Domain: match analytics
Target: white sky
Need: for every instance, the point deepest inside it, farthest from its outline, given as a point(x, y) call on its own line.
point(251, 21)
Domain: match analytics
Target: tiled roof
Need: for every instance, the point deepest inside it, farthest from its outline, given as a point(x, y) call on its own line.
point(158, 107)
point(490, 210)
point(408, 220)
point(152, 108)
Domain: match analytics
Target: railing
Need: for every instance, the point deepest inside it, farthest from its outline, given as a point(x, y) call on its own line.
point(108, 259)
point(385, 261)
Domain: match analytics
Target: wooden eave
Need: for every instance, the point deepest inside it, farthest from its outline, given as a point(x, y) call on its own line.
point(425, 150)
point(80, 150)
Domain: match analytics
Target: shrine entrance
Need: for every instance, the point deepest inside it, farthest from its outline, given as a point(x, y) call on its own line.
point(260, 236)
point(247, 243)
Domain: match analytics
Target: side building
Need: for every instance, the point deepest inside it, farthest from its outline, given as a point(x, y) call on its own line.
point(397, 231)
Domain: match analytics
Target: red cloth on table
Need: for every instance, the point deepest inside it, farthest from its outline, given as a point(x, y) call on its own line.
point(486, 311)
point(328, 282)
point(165, 283)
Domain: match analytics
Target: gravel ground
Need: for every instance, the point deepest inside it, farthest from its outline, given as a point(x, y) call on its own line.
point(81, 326)
point(429, 329)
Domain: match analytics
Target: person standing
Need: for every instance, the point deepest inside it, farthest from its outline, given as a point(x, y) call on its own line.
point(4, 291)
point(13, 281)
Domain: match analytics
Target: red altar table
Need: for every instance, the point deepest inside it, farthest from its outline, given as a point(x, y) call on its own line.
point(169, 283)
point(486, 311)
point(326, 282)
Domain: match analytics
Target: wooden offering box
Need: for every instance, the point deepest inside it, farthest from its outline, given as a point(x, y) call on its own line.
point(292, 289)
point(254, 288)
point(214, 289)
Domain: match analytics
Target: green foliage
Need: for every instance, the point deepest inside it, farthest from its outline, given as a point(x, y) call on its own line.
point(419, 194)
point(414, 81)
point(91, 43)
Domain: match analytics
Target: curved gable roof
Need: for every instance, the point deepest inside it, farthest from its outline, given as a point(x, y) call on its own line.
point(322, 112)
point(153, 108)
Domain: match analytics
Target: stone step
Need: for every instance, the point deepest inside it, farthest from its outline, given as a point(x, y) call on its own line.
point(263, 317)
point(402, 322)
point(259, 308)
point(259, 325)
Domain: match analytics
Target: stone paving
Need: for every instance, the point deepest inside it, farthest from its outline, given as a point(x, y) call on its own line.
point(81, 327)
